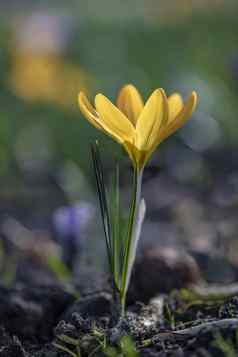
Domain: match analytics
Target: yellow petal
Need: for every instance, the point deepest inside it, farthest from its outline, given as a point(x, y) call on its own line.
point(129, 101)
point(181, 117)
point(175, 102)
point(152, 118)
point(88, 111)
point(113, 120)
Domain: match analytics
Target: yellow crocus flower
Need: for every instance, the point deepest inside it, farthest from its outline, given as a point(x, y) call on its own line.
point(139, 127)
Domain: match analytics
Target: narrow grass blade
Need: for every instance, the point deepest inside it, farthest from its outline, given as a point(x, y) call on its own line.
point(97, 164)
point(65, 349)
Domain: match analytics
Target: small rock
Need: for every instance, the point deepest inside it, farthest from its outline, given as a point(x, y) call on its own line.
point(31, 313)
point(160, 270)
point(95, 306)
point(229, 309)
point(64, 328)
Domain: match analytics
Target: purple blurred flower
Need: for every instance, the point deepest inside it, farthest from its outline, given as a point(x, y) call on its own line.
point(69, 224)
point(73, 220)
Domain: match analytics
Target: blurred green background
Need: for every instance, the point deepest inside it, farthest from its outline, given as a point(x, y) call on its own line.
point(48, 54)
point(49, 51)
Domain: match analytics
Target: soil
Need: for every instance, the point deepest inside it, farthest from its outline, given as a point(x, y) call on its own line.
point(51, 321)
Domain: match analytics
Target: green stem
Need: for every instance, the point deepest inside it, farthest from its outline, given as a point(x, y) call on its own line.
point(133, 218)
point(123, 305)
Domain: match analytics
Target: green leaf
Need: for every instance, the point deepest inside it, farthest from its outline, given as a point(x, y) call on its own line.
point(135, 239)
